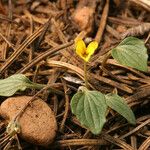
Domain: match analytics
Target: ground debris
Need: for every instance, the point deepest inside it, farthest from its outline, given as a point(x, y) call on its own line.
point(37, 39)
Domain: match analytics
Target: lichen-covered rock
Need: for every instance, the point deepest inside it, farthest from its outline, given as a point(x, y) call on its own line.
point(38, 123)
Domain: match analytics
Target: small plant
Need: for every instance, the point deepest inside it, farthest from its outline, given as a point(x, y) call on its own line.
point(90, 107)
point(13, 128)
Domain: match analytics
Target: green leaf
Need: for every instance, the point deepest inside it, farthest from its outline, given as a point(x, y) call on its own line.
point(90, 109)
point(118, 104)
point(131, 52)
point(12, 84)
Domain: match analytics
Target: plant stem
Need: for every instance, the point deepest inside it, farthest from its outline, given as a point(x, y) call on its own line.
point(41, 86)
point(37, 86)
point(85, 74)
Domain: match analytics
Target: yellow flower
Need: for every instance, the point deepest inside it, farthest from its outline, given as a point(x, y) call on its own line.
point(85, 52)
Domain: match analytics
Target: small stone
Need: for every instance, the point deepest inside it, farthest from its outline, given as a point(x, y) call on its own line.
point(38, 123)
point(83, 17)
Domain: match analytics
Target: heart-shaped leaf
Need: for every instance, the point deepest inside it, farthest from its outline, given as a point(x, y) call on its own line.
point(90, 109)
point(12, 84)
point(131, 52)
point(118, 104)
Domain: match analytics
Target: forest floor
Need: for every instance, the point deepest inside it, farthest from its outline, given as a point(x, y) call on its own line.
point(36, 39)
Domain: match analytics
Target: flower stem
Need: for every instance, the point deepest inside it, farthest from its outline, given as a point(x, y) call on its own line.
point(85, 74)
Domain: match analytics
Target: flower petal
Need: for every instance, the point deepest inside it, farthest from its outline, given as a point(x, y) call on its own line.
point(80, 47)
point(91, 48)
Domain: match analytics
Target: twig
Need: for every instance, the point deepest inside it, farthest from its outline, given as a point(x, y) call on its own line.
point(44, 55)
point(137, 30)
point(145, 145)
point(3, 17)
point(8, 29)
point(43, 33)
point(31, 52)
point(134, 142)
point(102, 24)
point(77, 142)
point(117, 142)
point(142, 3)
point(141, 93)
point(113, 32)
point(5, 140)
point(21, 48)
point(7, 41)
point(63, 39)
point(106, 57)
point(66, 106)
point(120, 86)
point(135, 129)
point(147, 39)
point(124, 21)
